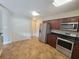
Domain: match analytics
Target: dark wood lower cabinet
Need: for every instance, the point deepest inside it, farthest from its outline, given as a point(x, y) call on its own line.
point(75, 54)
point(51, 40)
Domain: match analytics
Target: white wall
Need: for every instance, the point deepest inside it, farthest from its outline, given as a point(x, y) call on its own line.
point(21, 28)
point(13, 27)
point(63, 15)
point(0, 21)
point(5, 15)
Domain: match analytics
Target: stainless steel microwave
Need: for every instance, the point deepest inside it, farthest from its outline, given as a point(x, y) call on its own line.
point(72, 26)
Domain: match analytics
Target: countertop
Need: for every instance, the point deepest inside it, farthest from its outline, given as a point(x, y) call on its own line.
point(67, 33)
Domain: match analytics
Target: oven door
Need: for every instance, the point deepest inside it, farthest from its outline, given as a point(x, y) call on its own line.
point(65, 46)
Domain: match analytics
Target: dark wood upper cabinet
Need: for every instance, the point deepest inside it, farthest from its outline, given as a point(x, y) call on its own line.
point(65, 20)
point(74, 19)
point(55, 24)
point(70, 19)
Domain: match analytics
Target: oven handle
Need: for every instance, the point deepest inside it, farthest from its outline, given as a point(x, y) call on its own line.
point(64, 40)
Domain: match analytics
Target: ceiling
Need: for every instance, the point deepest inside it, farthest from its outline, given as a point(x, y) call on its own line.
point(44, 7)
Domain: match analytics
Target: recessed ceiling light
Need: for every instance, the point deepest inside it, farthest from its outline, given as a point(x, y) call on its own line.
point(60, 2)
point(34, 13)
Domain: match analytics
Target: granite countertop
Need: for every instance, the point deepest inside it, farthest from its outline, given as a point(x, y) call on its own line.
point(67, 33)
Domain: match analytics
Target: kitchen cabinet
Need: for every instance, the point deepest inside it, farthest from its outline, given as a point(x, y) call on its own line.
point(55, 24)
point(74, 19)
point(70, 19)
point(65, 20)
point(51, 40)
point(75, 54)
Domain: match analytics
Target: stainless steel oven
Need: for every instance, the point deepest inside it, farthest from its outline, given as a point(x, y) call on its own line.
point(72, 26)
point(65, 46)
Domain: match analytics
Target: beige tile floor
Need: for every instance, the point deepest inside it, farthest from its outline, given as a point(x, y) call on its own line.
point(31, 49)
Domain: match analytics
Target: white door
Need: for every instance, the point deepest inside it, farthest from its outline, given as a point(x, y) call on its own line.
point(42, 32)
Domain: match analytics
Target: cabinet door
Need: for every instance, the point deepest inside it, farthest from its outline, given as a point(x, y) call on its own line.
point(65, 20)
point(55, 24)
point(74, 19)
point(51, 40)
point(75, 54)
point(70, 19)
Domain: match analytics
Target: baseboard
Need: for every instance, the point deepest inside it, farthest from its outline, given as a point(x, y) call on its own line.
point(23, 36)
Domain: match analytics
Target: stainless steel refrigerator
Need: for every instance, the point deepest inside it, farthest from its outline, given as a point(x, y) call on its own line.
point(44, 30)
